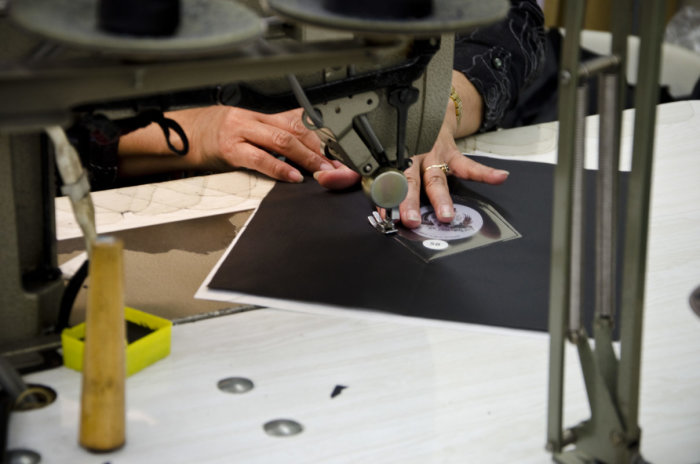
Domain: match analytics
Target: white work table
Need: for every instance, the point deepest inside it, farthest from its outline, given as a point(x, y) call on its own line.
point(416, 391)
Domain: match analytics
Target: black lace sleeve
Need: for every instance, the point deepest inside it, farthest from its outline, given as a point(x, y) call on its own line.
point(501, 59)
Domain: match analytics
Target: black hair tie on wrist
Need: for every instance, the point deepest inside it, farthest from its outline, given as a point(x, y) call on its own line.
point(167, 125)
point(106, 131)
point(145, 117)
point(96, 137)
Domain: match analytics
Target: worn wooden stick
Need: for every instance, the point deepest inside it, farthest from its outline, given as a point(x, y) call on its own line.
point(102, 414)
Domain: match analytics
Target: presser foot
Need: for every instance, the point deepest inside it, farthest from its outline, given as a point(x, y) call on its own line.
point(386, 225)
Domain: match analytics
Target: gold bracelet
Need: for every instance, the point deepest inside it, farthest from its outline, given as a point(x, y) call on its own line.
point(454, 96)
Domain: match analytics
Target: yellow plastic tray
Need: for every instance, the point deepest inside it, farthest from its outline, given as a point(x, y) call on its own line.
point(139, 353)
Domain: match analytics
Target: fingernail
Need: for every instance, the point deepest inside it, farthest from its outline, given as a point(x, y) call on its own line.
point(295, 176)
point(446, 211)
point(326, 167)
point(412, 215)
point(316, 174)
point(506, 173)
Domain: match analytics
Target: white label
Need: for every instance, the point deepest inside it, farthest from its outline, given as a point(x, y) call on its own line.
point(434, 244)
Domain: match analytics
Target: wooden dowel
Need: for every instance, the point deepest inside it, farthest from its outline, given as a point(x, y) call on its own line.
point(102, 414)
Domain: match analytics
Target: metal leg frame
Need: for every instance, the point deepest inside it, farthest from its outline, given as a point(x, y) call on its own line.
point(612, 433)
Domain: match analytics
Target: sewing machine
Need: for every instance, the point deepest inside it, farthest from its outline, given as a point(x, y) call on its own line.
point(378, 83)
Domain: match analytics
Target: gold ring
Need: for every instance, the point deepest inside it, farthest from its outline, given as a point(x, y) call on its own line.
point(444, 167)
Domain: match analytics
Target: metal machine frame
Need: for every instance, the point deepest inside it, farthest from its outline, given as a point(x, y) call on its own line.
point(612, 434)
point(52, 83)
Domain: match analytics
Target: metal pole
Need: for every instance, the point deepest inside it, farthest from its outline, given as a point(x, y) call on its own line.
point(637, 221)
point(561, 224)
point(606, 193)
point(577, 216)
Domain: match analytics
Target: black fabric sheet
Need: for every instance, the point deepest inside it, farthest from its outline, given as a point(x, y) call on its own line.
point(308, 244)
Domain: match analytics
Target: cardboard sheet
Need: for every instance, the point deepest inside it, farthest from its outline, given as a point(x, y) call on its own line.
point(164, 264)
point(314, 246)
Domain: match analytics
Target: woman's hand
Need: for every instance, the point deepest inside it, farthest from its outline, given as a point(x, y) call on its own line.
point(433, 180)
point(426, 172)
point(234, 138)
point(222, 138)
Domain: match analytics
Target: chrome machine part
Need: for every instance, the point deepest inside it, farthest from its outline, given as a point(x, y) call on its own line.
point(409, 114)
point(387, 188)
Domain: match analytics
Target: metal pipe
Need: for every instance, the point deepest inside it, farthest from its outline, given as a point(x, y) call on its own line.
point(599, 65)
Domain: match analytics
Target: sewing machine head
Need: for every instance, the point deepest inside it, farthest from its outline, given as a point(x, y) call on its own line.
point(373, 77)
point(376, 74)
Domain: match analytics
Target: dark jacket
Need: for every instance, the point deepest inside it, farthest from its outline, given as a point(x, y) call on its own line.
point(502, 58)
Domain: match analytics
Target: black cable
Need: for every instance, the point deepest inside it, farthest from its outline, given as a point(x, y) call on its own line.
point(312, 113)
point(6, 404)
point(69, 295)
point(10, 380)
